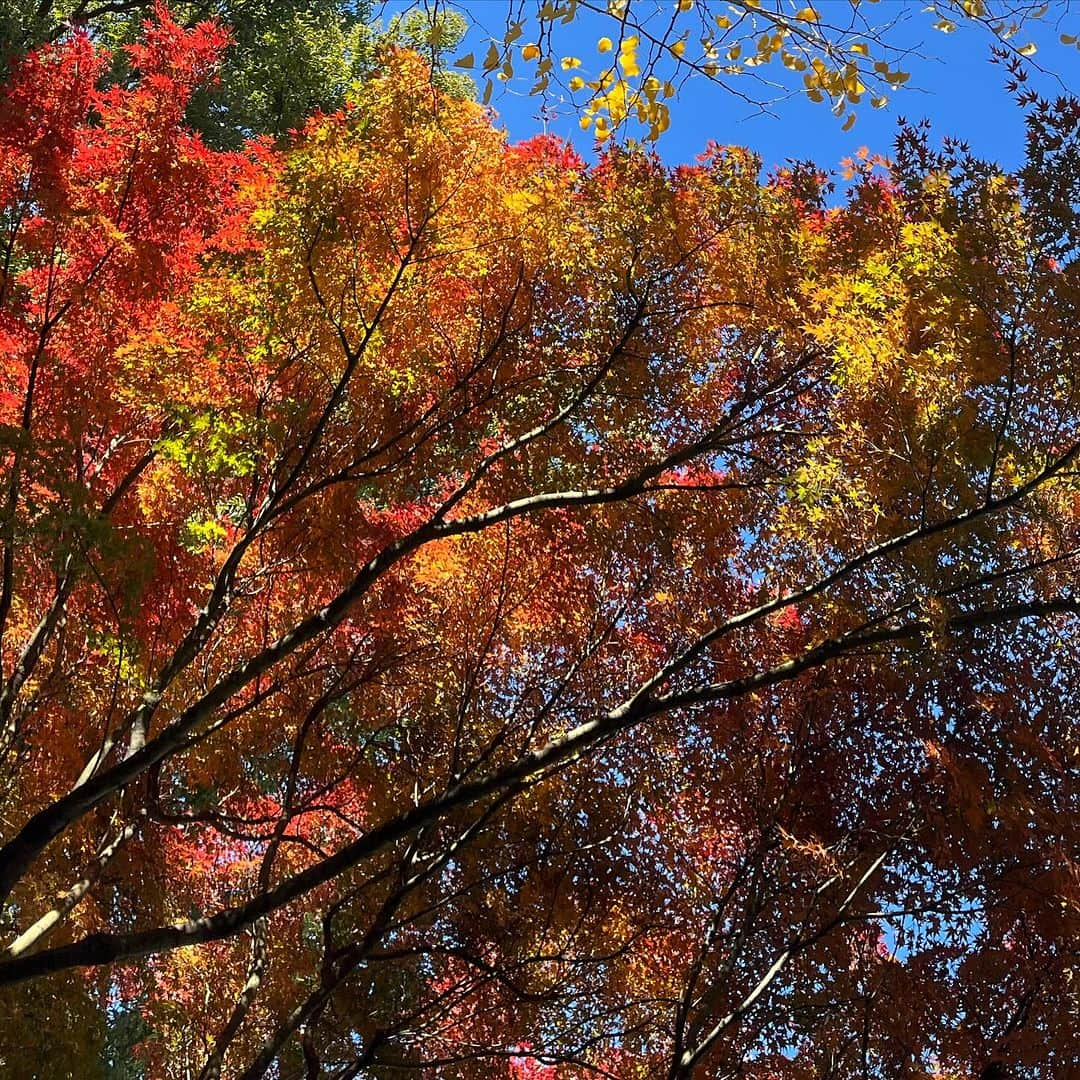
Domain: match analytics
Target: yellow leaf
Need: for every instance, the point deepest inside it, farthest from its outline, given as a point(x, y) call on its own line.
point(1030, 49)
point(685, 5)
point(807, 14)
point(860, 48)
point(577, 82)
point(568, 63)
point(677, 48)
point(629, 64)
point(604, 45)
point(530, 52)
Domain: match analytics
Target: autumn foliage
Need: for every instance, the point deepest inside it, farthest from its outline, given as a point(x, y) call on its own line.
point(471, 612)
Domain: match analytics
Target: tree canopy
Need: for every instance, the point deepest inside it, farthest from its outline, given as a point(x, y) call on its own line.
point(472, 613)
point(285, 59)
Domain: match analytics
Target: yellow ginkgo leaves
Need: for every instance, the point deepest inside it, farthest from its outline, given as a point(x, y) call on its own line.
point(628, 60)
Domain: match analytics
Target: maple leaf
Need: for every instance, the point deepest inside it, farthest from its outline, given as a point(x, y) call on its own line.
point(460, 604)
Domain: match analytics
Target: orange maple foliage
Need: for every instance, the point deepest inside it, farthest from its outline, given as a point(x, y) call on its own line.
point(471, 612)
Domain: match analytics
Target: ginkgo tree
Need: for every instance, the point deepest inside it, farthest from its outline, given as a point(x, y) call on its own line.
point(470, 612)
point(845, 54)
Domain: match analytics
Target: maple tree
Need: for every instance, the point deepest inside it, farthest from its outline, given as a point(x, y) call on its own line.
point(472, 612)
point(285, 59)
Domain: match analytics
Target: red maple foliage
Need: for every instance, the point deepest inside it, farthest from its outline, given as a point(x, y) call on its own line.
point(469, 611)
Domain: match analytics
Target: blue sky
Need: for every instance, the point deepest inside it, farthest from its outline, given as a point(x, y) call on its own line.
point(952, 83)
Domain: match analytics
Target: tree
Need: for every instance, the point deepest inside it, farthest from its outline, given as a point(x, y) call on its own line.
point(473, 613)
point(285, 60)
point(761, 51)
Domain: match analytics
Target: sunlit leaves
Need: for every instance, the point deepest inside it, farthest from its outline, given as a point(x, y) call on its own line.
point(731, 43)
point(530, 614)
point(286, 59)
